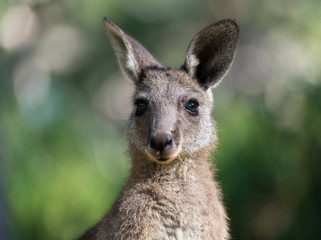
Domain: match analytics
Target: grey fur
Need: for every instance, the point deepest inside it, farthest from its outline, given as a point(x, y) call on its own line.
point(165, 198)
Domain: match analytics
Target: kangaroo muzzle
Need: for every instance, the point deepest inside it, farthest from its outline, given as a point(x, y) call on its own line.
point(162, 147)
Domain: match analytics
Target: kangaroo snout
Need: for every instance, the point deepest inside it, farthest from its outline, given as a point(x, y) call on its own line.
point(161, 141)
point(161, 146)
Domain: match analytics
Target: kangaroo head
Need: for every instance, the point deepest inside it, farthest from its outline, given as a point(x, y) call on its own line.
point(172, 108)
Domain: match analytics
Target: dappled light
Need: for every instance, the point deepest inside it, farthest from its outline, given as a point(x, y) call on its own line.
point(62, 48)
point(18, 28)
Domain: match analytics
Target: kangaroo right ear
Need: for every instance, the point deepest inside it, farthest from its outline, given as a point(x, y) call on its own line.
point(132, 57)
point(211, 52)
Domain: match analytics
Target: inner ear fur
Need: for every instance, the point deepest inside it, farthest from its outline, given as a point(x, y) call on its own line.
point(211, 52)
point(132, 57)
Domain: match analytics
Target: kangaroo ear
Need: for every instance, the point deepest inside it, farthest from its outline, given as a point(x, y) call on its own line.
point(132, 57)
point(211, 52)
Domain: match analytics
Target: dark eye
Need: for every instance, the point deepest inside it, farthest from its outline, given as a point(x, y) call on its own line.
point(192, 107)
point(141, 106)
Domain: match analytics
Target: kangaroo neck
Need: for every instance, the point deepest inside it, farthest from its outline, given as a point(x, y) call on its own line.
point(186, 168)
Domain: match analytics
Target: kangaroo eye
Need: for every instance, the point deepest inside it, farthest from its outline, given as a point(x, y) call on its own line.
point(141, 106)
point(192, 107)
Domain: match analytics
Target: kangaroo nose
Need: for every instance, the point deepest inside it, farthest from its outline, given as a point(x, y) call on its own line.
point(161, 141)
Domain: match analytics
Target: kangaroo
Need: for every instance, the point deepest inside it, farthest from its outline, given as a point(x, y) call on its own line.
point(171, 192)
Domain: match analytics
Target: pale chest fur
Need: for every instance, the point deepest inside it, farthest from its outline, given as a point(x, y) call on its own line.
point(175, 209)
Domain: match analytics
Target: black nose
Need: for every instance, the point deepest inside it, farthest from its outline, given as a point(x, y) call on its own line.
point(161, 141)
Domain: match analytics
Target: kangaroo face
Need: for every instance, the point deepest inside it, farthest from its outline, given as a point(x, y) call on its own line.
point(171, 114)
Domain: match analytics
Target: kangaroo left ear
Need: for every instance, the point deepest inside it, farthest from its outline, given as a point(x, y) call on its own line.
point(133, 58)
point(211, 52)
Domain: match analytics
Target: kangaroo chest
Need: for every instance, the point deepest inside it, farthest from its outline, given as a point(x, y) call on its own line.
point(171, 211)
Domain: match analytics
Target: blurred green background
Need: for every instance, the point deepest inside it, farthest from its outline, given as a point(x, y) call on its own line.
point(64, 104)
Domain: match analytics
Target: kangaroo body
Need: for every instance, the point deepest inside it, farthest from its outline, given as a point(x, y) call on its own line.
point(171, 192)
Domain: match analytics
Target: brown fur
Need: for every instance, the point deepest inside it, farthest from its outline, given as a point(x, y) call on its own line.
point(165, 198)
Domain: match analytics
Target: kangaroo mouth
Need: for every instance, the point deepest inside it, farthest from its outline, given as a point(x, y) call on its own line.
point(162, 157)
